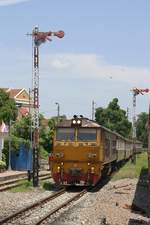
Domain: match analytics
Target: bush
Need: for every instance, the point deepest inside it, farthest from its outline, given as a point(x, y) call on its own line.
point(2, 165)
point(43, 153)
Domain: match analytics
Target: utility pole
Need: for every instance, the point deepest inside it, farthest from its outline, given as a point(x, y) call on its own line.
point(38, 39)
point(93, 110)
point(58, 111)
point(9, 162)
point(135, 92)
point(127, 113)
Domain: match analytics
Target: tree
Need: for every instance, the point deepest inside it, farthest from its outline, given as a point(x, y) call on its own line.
point(141, 130)
point(8, 109)
point(22, 128)
point(114, 118)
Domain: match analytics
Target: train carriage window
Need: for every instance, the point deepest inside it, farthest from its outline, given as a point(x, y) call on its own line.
point(86, 134)
point(65, 134)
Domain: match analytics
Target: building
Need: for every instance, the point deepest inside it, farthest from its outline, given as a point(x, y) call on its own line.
point(22, 99)
point(24, 105)
point(3, 133)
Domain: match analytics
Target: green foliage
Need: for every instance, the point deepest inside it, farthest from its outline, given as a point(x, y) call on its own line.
point(2, 165)
point(129, 170)
point(48, 186)
point(8, 109)
point(141, 130)
point(25, 186)
point(43, 153)
point(21, 134)
point(114, 118)
point(22, 128)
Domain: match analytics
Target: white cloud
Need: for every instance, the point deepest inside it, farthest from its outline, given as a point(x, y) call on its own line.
point(11, 2)
point(92, 66)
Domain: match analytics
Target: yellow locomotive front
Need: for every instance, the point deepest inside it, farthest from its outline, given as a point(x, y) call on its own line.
point(76, 157)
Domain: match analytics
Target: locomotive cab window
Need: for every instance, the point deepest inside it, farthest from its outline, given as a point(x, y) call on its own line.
point(65, 134)
point(86, 134)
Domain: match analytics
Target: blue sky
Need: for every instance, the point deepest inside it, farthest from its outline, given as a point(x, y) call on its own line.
point(104, 54)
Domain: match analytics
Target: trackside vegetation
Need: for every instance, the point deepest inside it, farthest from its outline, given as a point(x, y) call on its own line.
point(27, 186)
point(130, 170)
point(114, 118)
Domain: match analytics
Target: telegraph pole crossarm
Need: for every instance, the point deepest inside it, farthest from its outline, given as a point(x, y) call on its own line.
point(38, 39)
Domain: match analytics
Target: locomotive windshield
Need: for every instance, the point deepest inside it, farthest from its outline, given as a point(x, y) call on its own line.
point(65, 134)
point(86, 134)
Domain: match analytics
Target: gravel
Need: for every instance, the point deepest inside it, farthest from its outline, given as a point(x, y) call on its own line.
point(110, 205)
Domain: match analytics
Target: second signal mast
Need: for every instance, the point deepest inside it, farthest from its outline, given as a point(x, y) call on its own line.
point(136, 91)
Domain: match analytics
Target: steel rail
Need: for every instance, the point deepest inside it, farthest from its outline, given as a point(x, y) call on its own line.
point(42, 176)
point(38, 203)
point(14, 183)
point(76, 197)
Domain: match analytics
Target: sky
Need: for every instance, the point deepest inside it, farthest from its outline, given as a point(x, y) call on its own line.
point(104, 54)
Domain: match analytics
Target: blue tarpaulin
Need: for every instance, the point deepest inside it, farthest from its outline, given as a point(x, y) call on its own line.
point(21, 159)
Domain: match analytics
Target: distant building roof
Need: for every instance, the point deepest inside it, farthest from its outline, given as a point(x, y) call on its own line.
point(13, 92)
point(20, 95)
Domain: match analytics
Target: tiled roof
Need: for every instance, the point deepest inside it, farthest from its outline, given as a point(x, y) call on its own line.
point(12, 91)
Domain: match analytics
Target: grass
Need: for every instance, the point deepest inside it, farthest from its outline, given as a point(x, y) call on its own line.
point(47, 186)
point(130, 170)
point(25, 186)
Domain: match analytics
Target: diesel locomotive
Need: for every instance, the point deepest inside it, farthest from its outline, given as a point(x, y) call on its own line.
point(83, 151)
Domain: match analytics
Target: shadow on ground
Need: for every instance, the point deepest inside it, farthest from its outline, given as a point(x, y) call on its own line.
point(141, 202)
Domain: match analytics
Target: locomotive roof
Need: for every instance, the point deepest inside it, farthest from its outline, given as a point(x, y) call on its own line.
point(85, 123)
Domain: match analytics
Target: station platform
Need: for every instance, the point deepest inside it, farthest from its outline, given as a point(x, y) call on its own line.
point(12, 174)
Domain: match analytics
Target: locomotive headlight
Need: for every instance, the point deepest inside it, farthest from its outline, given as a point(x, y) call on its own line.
point(74, 121)
point(92, 169)
point(58, 169)
point(78, 122)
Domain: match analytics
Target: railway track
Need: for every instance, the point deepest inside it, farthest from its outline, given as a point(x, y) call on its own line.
point(59, 207)
point(6, 185)
point(43, 209)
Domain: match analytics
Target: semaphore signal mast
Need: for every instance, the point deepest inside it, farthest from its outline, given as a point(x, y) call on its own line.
point(136, 91)
point(38, 39)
